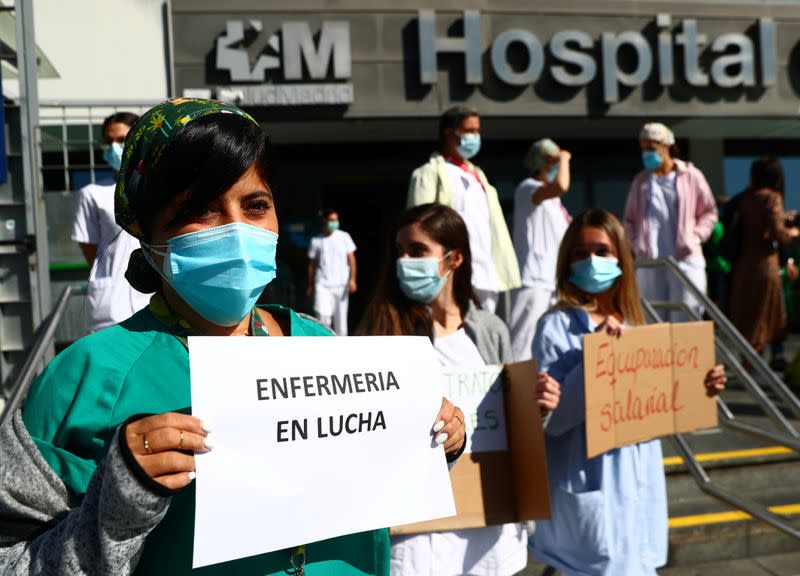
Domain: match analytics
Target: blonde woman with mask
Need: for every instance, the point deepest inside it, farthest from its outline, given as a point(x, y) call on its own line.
point(610, 511)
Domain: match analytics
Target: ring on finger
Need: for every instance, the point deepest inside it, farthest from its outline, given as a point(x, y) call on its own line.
point(180, 442)
point(146, 444)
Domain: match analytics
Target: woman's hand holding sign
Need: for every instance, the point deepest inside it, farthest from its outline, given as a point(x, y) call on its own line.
point(716, 380)
point(611, 326)
point(547, 392)
point(449, 428)
point(162, 445)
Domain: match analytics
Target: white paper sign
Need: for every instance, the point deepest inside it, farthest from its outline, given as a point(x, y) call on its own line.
point(479, 394)
point(313, 438)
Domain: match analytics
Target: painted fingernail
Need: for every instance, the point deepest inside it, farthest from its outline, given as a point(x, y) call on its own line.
point(438, 426)
point(208, 442)
point(206, 428)
point(192, 475)
point(442, 438)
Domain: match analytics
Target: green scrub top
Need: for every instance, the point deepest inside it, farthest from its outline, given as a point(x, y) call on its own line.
point(142, 366)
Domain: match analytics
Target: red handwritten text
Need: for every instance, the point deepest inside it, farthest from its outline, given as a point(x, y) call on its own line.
point(610, 363)
point(638, 407)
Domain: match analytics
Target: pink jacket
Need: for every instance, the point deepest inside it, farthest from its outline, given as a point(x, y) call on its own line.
point(697, 212)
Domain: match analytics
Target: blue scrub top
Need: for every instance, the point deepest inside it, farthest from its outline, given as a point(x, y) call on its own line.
point(610, 511)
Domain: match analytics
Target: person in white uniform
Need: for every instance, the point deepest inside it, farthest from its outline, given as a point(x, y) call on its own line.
point(540, 221)
point(670, 211)
point(426, 290)
point(450, 178)
point(332, 273)
point(110, 298)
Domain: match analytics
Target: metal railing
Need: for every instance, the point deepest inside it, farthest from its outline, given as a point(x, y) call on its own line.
point(730, 332)
point(788, 436)
point(39, 354)
point(70, 129)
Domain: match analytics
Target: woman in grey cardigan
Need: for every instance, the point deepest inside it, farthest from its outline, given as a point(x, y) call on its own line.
point(426, 290)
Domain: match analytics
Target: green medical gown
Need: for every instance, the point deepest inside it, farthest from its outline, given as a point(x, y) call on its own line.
point(142, 366)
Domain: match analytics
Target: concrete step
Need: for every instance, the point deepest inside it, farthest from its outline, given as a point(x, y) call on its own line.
point(726, 542)
point(704, 529)
point(773, 565)
point(769, 565)
point(768, 483)
point(705, 534)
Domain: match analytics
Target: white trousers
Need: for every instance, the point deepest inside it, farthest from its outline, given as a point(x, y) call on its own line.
point(659, 284)
point(330, 306)
point(527, 306)
point(487, 298)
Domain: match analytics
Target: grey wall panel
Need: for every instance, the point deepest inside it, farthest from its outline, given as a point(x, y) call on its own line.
point(14, 278)
point(60, 216)
point(385, 56)
point(15, 326)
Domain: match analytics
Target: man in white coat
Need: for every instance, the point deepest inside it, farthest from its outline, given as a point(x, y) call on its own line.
point(107, 247)
point(332, 273)
point(450, 178)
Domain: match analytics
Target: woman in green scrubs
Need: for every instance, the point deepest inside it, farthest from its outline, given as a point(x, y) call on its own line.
point(97, 472)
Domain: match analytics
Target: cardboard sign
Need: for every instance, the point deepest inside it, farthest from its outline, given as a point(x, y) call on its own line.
point(313, 438)
point(498, 486)
point(647, 383)
point(479, 394)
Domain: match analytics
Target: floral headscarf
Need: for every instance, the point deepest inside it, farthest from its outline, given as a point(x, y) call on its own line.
point(145, 144)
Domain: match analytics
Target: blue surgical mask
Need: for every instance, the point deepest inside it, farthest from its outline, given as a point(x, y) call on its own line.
point(651, 160)
point(420, 279)
point(332, 225)
point(469, 146)
point(552, 173)
point(595, 274)
point(220, 272)
point(113, 155)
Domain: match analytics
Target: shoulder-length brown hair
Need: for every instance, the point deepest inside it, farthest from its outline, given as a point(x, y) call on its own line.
point(626, 294)
point(390, 312)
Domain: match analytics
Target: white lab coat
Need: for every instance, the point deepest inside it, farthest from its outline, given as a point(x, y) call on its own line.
point(110, 298)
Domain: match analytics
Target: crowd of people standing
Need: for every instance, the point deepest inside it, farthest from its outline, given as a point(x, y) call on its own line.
point(108, 454)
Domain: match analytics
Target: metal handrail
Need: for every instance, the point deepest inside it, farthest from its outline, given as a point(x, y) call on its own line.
point(728, 419)
point(43, 339)
point(98, 103)
point(730, 332)
point(706, 485)
point(697, 471)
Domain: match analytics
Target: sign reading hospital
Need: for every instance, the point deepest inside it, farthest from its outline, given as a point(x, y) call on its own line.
point(735, 55)
point(647, 383)
point(313, 438)
point(516, 60)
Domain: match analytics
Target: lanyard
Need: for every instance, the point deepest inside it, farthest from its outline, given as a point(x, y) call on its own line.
point(181, 329)
point(466, 168)
point(299, 560)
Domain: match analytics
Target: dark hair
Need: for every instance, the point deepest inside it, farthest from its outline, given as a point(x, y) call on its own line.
point(326, 213)
point(766, 172)
point(675, 150)
point(127, 118)
point(201, 163)
point(453, 117)
point(390, 312)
